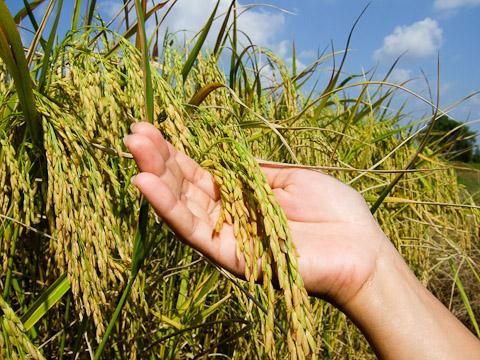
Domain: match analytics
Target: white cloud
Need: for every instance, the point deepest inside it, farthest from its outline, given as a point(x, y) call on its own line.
point(260, 25)
point(264, 26)
point(445, 88)
point(300, 65)
point(454, 4)
point(307, 54)
point(421, 39)
point(400, 75)
point(282, 48)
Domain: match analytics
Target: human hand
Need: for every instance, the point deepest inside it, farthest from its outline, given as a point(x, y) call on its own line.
point(343, 255)
point(337, 239)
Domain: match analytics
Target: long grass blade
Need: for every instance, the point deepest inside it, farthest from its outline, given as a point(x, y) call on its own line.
point(37, 38)
point(76, 14)
point(11, 52)
point(222, 35)
point(147, 75)
point(353, 113)
point(294, 61)
point(132, 30)
point(464, 296)
point(27, 10)
point(91, 11)
point(61, 350)
point(336, 73)
point(233, 58)
point(46, 301)
point(114, 318)
point(420, 148)
point(141, 245)
point(49, 48)
point(143, 9)
point(139, 253)
point(125, 12)
point(198, 45)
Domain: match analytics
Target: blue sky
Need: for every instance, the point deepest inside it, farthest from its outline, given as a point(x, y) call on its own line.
point(388, 28)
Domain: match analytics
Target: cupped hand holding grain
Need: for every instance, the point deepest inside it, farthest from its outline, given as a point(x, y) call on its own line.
point(343, 254)
point(336, 237)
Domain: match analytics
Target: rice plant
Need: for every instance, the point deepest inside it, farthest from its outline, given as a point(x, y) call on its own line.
point(88, 271)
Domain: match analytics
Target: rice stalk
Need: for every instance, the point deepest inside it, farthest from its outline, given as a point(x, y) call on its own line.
point(14, 342)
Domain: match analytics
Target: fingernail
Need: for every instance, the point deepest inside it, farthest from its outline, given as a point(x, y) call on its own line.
point(125, 139)
point(133, 126)
point(132, 179)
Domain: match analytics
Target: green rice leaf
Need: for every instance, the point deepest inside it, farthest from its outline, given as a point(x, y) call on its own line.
point(91, 11)
point(49, 298)
point(233, 58)
point(11, 51)
point(198, 45)
point(141, 244)
point(49, 48)
point(294, 61)
point(464, 296)
point(27, 11)
point(222, 35)
point(147, 76)
point(76, 14)
point(39, 33)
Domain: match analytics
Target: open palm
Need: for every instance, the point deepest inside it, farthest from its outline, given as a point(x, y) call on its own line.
point(337, 239)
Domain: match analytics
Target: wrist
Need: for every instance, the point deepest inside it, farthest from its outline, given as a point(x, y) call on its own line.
point(403, 320)
point(387, 306)
point(391, 275)
point(391, 282)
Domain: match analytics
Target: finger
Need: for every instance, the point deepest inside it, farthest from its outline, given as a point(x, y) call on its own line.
point(178, 216)
point(198, 176)
point(277, 177)
point(197, 210)
point(190, 169)
point(196, 194)
point(154, 135)
point(147, 156)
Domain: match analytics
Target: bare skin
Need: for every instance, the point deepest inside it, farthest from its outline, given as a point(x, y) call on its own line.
point(344, 257)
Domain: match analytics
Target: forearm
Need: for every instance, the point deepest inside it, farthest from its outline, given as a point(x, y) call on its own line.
point(403, 320)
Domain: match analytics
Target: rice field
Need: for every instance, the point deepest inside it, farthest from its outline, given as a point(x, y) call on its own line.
point(88, 271)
